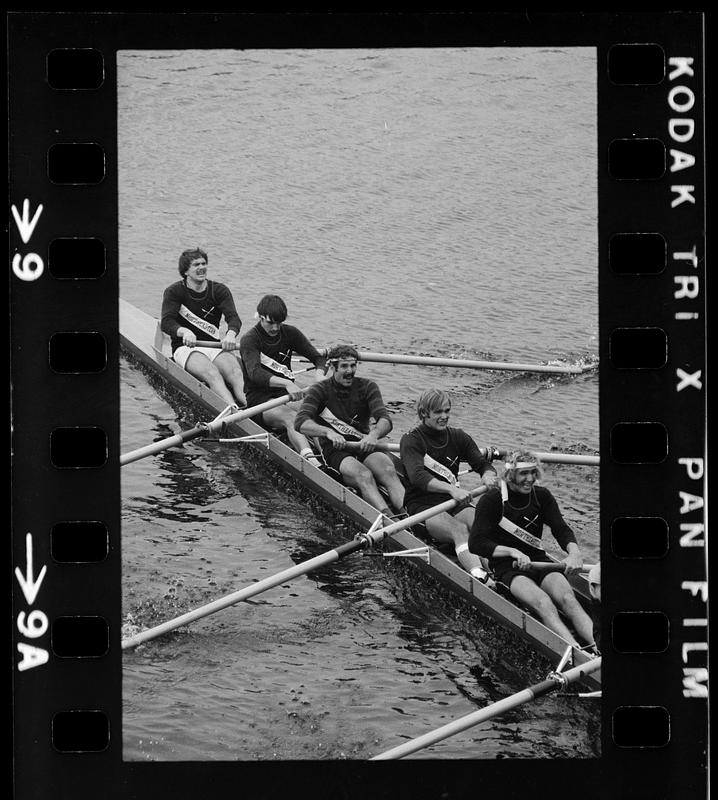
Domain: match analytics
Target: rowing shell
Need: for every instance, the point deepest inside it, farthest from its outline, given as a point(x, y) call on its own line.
point(141, 337)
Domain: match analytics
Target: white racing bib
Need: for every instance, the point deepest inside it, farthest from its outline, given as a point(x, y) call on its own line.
point(341, 427)
point(276, 367)
point(515, 530)
point(440, 470)
point(198, 322)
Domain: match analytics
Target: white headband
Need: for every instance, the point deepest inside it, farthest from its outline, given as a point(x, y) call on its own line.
point(521, 465)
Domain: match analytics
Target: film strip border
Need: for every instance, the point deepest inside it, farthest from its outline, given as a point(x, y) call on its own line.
point(65, 352)
point(653, 358)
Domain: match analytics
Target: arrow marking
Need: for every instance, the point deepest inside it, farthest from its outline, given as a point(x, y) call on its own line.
point(24, 224)
point(30, 587)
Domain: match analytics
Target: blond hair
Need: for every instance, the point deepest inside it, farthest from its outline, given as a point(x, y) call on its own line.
point(515, 457)
point(431, 400)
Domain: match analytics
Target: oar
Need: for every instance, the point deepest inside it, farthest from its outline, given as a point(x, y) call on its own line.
point(569, 458)
point(431, 361)
point(554, 682)
point(553, 566)
point(549, 458)
point(201, 430)
point(463, 363)
point(214, 344)
point(367, 539)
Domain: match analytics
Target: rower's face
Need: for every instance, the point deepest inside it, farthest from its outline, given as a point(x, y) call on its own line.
point(197, 269)
point(438, 419)
point(524, 480)
point(344, 371)
point(270, 326)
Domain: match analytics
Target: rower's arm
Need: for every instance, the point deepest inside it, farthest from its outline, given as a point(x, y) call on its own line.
point(489, 510)
point(305, 421)
point(378, 410)
point(412, 456)
point(169, 316)
point(278, 382)
point(300, 344)
point(382, 428)
point(574, 559)
point(228, 308)
point(560, 529)
point(479, 463)
point(311, 428)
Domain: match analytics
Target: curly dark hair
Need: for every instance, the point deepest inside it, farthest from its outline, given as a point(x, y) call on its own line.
point(187, 257)
point(342, 351)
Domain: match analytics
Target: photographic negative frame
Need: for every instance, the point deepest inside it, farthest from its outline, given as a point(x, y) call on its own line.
point(65, 283)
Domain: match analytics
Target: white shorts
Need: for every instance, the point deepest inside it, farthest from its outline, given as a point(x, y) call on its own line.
point(182, 353)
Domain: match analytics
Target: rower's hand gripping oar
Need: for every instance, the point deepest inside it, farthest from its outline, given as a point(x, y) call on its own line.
point(362, 541)
point(202, 429)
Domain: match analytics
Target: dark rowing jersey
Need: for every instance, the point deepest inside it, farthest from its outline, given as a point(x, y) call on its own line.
point(200, 312)
point(264, 355)
point(530, 513)
point(348, 410)
point(427, 454)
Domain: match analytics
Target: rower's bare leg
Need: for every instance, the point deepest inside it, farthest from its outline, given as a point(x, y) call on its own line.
point(532, 595)
point(230, 370)
point(560, 591)
point(283, 417)
point(360, 477)
point(445, 528)
point(384, 472)
point(201, 367)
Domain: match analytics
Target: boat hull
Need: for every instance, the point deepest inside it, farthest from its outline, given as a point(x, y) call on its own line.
point(141, 339)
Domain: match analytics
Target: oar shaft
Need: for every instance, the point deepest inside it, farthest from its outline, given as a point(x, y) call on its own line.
point(432, 361)
point(493, 710)
point(369, 538)
point(243, 594)
point(415, 519)
point(164, 444)
point(199, 430)
point(548, 458)
point(569, 458)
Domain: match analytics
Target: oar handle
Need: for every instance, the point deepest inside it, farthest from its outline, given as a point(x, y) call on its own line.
point(384, 447)
point(553, 566)
point(212, 344)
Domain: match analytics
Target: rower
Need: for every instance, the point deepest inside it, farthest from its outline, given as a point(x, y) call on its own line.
point(266, 351)
point(193, 308)
point(431, 453)
point(339, 410)
point(507, 529)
